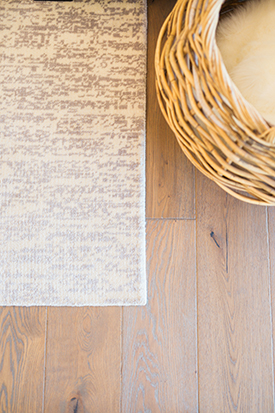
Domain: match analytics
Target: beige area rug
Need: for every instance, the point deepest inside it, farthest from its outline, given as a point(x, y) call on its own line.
point(72, 152)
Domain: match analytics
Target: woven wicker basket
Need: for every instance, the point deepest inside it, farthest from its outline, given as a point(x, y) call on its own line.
point(218, 130)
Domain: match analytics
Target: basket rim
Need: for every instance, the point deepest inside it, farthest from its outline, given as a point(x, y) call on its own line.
point(220, 132)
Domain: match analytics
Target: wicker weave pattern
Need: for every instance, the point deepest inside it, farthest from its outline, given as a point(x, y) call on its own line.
point(218, 130)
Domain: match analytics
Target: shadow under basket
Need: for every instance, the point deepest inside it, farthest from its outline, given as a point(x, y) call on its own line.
point(223, 135)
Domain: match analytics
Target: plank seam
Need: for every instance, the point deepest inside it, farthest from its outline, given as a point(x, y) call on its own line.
point(171, 219)
point(197, 291)
point(270, 303)
point(45, 357)
point(121, 359)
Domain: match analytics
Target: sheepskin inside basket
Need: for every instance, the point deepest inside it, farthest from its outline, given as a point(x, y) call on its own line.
point(245, 39)
point(222, 134)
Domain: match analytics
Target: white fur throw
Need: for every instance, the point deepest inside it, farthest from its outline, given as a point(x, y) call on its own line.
point(246, 40)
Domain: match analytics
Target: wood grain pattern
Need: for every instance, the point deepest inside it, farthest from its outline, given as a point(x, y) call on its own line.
point(271, 233)
point(83, 360)
point(170, 176)
point(234, 325)
point(159, 340)
point(22, 344)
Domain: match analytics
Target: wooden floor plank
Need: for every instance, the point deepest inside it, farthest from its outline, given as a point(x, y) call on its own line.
point(159, 340)
point(169, 175)
point(83, 362)
point(22, 345)
point(234, 324)
point(271, 233)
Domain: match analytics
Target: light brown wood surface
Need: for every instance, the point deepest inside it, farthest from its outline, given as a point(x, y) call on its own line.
point(234, 320)
point(22, 369)
point(159, 353)
point(83, 360)
point(203, 343)
point(271, 251)
point(169, 175)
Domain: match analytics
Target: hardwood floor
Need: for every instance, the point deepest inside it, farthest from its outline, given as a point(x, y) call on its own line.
point(234, 324)
point(159, 371)
point(204, 341)
point(22, 359)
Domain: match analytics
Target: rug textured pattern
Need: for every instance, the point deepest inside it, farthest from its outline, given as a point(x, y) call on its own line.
point(72, 152)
